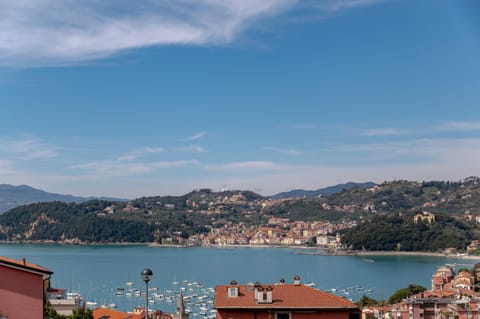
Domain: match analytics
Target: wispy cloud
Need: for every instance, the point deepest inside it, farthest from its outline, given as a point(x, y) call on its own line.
point(194, 137)
point(284, 151)
point(116, 168)
point(303, 126)
point(140, 152)
point(7, 168)
point(460, 126)
point(248, 166)
point(425, 150)
point(51, 32)
point(28, 149)
point(338, 5)
point(384, 132)
point(191, 148)
point(315, 10)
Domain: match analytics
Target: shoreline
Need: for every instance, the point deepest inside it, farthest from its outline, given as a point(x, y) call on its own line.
point(414, 253)
point(306, 250)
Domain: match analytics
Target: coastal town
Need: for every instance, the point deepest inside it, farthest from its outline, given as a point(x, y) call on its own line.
point(278, 232)
point(341, 221)
point(26, 291)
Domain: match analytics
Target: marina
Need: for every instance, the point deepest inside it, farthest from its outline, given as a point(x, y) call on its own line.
point(197, 299)
point(109, 276)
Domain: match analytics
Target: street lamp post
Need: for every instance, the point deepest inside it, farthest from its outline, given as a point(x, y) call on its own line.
point(146, 276)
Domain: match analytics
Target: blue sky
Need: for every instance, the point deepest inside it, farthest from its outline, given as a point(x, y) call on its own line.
point(131, 98)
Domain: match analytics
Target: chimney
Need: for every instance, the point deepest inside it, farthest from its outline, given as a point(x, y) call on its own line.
point(282, 281)
point(296, 280)
point(233, 289)
point(258, 292)
point(263, 295)
point(269, 294)
point(24, 261)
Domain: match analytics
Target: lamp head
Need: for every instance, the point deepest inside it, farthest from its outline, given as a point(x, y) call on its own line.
point(147, 274)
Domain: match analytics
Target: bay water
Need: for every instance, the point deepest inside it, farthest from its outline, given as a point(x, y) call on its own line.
point(96, 272)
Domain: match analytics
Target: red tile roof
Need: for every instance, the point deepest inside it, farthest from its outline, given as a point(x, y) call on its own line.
point(23, 264)
point(114, 314)
point(285, 296)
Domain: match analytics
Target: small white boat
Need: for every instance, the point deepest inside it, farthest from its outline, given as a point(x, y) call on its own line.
point(91, 304)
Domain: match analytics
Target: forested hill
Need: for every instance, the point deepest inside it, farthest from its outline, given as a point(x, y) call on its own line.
point(145, 219)
point(71, 222)
point(401, 232)
point(201, 211)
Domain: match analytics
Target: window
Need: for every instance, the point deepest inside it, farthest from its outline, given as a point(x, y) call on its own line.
point(353, 315)
point(233, 292)
point(282, 315)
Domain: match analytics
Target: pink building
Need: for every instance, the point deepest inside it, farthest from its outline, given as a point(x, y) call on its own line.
point(22, 288)
point(451, 296)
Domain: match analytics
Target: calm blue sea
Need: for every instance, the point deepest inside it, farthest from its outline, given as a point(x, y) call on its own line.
point(97, 271)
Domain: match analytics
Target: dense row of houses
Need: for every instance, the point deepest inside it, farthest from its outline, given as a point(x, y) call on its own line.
point(452, 296)
point(278, 231)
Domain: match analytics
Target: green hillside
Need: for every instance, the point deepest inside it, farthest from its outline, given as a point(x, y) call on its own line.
point(383, 214)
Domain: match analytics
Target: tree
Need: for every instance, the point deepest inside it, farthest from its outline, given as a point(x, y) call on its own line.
point(403, 293)
point(50, 313)
point(82, 314)
point(366, 302)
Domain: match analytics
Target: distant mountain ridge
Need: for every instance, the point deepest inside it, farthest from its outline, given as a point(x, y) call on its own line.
point(13, 196)
point(296, 193)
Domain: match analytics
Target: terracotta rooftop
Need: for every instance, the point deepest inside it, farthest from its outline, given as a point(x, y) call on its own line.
point(286, 296)
point(104, 313)
point(24, 265)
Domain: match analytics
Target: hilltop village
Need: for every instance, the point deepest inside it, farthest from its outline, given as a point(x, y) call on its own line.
point(434, 217)
point(453, 294)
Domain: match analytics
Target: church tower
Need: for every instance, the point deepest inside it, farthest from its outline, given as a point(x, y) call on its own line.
point(180, 313)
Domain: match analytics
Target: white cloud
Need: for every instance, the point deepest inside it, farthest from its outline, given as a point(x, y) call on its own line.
point(429, 159)
point(303, 126)
point(453, 154)
point(28, 149)
point(7, 168)
point(337, 5)
point(461, 126)
point(116, 168)
point(248, 166)
point(284, 151)
point(384, 132)
point(191, 148)
point(140, 152)
point(195, 137)
point(51, 32)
